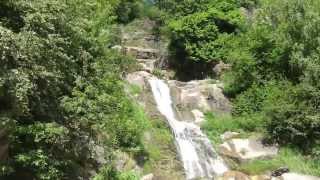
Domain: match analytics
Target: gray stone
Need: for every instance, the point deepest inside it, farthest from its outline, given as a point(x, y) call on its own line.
point(260, 177)
point(295, 176)
point(234, 175)
point(123, 162)
point(220, 68)
point(117, 47)
point(147, 64)
point(139, 78)
point(204, 95)
point(141, 53)
point(148, 177)
point(247, 149)
point(229, 135)
point(198, 116)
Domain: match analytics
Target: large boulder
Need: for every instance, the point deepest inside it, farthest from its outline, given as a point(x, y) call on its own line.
point(147, 64)
point(148, 177)
point(229, 135)
point(295, 176)
point(198, 116)
point(203, 95)
point(139, 78)
point(247, 149)
point(260, 177)
point(234, 175)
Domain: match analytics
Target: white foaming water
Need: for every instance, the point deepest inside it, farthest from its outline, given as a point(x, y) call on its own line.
point(196, 152)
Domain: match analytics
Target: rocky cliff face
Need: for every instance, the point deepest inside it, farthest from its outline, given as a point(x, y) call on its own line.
point(198, 95)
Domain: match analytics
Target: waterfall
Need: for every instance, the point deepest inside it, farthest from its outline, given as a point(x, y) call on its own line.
point(199, 158)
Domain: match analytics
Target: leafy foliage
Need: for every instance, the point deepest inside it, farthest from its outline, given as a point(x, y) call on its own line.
point(61, 93)
point(275, 69)
point(200, 33)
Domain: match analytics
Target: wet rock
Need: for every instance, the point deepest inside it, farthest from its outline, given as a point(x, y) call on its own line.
point(295, 176)
point(247, 149)
point(234, 175)
point(280, 171)
point(229, 135)
point(139, 78)
point(148, 177)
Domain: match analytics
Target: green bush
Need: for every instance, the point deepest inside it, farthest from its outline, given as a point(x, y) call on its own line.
point(275, 65)
point(287, 157)
point(216, 125)
point(203, 34)
point(61, 92)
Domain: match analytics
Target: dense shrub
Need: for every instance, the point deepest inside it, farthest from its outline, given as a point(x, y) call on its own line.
point(280, 47)
point(200, 33)
point(61, 94)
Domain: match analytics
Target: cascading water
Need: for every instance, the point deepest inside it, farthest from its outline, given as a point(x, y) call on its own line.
point(196, 152)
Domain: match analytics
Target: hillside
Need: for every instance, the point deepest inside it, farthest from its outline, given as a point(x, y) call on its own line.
point(159, 90)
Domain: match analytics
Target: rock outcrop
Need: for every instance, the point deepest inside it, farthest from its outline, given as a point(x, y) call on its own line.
point(139, 78)
point(295, 176)
point(141, 53)
point(220, 68)
point(202, 95)
point(198, 116)
point(247, 149)
point(229, 135)
point(234, 175)
point(148, 177)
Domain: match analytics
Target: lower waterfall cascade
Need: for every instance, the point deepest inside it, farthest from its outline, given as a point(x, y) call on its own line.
point(197, 154)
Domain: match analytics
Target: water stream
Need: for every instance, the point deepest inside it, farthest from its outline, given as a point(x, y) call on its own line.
point(199, 158)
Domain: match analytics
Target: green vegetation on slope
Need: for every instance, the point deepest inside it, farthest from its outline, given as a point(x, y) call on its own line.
point(273, 49)
point(61, 95)
point(276, 70)
point(252, 126)
point(287, 157)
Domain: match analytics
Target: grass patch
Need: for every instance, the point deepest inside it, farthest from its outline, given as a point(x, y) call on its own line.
point(287, 157)
point(134, 89)
point(158, 73)
point(159, 146)
point(259, 166)
point(158, 143)
point(157, 149)
point(215, 125)
point(253, 125)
